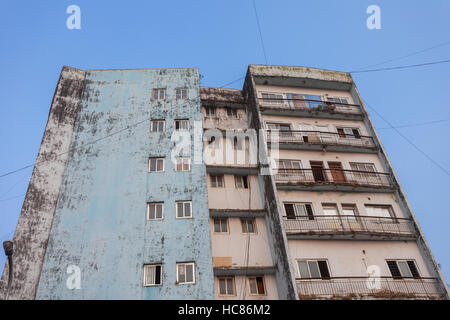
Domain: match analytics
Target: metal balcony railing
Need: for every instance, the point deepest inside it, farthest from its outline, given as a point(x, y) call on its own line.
point(311, 105)
point(357, 287)
point(334, 176)
point(346, 224)
point(320, 138)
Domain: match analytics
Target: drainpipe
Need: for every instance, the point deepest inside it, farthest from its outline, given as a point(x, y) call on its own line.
point(8, 247)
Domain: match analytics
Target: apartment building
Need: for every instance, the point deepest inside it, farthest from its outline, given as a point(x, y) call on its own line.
point(156, 188)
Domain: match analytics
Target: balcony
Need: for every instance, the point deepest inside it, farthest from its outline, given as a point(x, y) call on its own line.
point(361, 288)
point(334, 180)
point(310, 108)
point(345, 227)
point(318, 140)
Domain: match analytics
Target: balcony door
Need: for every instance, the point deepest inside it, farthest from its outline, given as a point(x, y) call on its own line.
point(336, 171)
point(318, 171)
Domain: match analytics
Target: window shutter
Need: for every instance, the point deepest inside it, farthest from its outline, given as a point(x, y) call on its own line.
point(158, 275)
point(395, 271)
point(289, 208)
point(303, 269)
point(260, 283)
point(309, 211)
point(323, 267)
point(413, 268)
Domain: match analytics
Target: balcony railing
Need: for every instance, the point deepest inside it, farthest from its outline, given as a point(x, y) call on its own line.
point(360, 287)
point(311, 105)
point(318, 176)
point(319, 138)
point(347, 224)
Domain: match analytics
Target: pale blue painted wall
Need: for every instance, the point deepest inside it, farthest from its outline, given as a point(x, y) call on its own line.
point(100, 221)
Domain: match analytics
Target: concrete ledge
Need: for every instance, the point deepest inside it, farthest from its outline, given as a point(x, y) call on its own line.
point(236, 213)
point(245, 271)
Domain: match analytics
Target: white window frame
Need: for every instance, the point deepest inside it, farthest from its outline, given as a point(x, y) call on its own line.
point(181, 121)
point(404, 277)
point(329, 206)
point(184, 161)
point(208, 114)
point(239, 181)
point(184, 213)
point(246, 231)
point(148, 266)
point(273, 98)
point(214, 177)
point(256, 285)
point(232, 113)
point(338, 100)
point(348, 132)
point(184, 264)
point(220, 225)
point(156, 204)
point(226, 279)
point(156, 165)
point(383, 206)
point(158, 95)
point(157, 122)
point(291, 164)
point(296, 211)
point(316, 261)
point(181, 93)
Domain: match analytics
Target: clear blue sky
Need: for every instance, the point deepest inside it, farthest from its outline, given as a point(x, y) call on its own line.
point(221, 38)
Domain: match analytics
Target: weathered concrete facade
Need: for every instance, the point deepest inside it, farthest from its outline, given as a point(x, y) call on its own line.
point(323, 115)
point(33, 229)
point(87, 203)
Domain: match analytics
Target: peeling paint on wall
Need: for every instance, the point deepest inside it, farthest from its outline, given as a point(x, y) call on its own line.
point(100, 222)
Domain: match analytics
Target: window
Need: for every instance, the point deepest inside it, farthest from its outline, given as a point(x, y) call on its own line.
point(221, 225)
point(241, 182)
point(299, 211)
point(349, 210)
point(272, 98)
point(403, 269)
point(152, 275)
point(184, 209)
point(248, 225)
point(217, 181)
point(289, 164)
point(226, 286)
point(185, 273)
point(159, 94)
point(231, 113)
point(237, 143)
point(256, 285)
point(338, 100)
point(370, 167)
point(157, 126)
point(313, 269)
point(181, 124)
point(349, 133)
point(155, 210)
point(285, 129)
point(330, 209)
point(379, 211)
point(210, 111)
point(183, 164)
point(156, 164)
point(181, 93)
